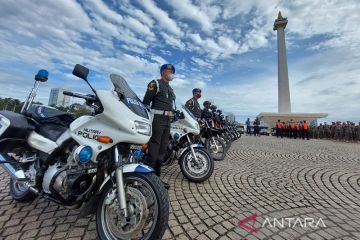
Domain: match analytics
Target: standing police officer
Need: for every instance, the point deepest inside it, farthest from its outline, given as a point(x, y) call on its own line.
point(193, 105)
point(161, 96)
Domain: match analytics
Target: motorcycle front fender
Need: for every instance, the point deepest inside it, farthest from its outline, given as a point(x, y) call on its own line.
point(188, 149)
point(129, 168)
point(90, 206)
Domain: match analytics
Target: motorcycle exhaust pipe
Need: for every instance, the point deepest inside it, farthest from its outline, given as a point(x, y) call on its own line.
point(16, 175)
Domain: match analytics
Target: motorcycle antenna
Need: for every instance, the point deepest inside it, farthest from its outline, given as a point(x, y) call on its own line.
point(41, 76)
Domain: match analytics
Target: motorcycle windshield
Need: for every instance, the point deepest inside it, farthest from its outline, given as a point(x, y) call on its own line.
point(188, 111)
point(128, 96)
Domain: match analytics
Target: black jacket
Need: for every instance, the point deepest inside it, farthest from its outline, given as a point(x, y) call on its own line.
point(161, 98)
point(194, 107)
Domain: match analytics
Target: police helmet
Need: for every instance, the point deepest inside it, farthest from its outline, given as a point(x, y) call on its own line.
point(196, 90)
point(167, 66)
point(206, 103)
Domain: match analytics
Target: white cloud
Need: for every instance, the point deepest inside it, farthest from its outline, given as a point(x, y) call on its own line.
point(138, 27)
point(173, 41)
point(186, 10)
point(137, 13)
point(159, 60)
point(201, 37)
point(201, 62)
point(102, 9)
point(223, 48)
point(165, 22)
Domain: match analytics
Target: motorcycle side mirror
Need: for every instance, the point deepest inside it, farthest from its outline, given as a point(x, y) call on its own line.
point(80, 72)
point(42, 76)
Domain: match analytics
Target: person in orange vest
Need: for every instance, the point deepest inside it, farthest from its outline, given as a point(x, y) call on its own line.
point(279, 129)
point(292, 129)
point(305, 130)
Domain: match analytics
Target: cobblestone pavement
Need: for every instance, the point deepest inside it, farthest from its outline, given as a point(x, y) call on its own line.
point(275, 179)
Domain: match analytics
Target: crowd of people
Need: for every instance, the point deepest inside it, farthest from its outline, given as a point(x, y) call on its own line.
point(346, 131)
point(340, 131)
point(292, 129)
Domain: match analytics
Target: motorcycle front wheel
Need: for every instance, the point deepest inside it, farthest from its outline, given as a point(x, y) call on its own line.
point(218, 153)
point(147, 205)
point(197, 171)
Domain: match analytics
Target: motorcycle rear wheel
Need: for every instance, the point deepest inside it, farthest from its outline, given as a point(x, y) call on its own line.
point(21, 192)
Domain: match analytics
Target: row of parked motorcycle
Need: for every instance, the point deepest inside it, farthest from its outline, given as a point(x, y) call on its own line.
point(95, 164)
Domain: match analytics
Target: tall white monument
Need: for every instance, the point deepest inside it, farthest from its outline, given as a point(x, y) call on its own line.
point(284, 104)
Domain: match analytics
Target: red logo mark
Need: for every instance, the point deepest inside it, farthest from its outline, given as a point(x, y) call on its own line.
point(253, 218)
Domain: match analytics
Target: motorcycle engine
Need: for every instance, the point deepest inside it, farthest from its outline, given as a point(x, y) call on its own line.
point(70, 181)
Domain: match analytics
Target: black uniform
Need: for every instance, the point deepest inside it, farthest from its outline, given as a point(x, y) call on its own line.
point(205, 113)
point(193, 105)
point(161, 100)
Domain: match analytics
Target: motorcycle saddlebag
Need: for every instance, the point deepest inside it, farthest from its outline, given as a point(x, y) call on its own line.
point(14, 129)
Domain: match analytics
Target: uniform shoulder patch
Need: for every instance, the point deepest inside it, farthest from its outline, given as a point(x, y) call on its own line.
point(152, 86)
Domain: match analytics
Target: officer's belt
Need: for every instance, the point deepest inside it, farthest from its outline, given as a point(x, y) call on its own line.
point(162, 112)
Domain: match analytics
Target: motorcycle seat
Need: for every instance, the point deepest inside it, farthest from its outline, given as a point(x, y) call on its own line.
point(51, 123)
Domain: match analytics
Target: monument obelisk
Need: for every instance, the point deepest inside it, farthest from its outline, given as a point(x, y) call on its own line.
point(284, 105)
point(284, 113)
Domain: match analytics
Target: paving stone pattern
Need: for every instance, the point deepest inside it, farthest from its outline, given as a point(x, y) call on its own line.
point(273, 178)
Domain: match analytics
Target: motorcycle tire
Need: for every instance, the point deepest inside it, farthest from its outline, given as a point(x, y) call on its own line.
point(191, 175)
point(160, 204)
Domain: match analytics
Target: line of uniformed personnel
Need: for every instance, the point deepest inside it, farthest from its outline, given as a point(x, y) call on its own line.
point(340, 131)
point(346, 131)
point(160, 97)
point(292, 129)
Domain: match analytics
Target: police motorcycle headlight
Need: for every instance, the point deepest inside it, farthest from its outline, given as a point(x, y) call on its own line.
point(143, 128)
point(176, 136)
point(83, 154)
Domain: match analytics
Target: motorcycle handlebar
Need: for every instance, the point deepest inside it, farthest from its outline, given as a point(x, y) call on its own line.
point(71, 94)
point(67, 93)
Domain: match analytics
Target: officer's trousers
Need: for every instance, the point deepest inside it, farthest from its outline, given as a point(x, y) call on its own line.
point(306, 134)
point(248, 130)
point(293, 133)
point(159, 141)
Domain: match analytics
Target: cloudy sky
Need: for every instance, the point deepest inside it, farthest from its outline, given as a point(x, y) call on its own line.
point(226, 47)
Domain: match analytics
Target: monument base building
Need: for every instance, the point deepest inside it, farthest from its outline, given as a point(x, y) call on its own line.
point(272, 118)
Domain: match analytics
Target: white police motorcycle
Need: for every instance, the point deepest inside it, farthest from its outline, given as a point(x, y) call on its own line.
point(82, 164)
point(195, 162)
